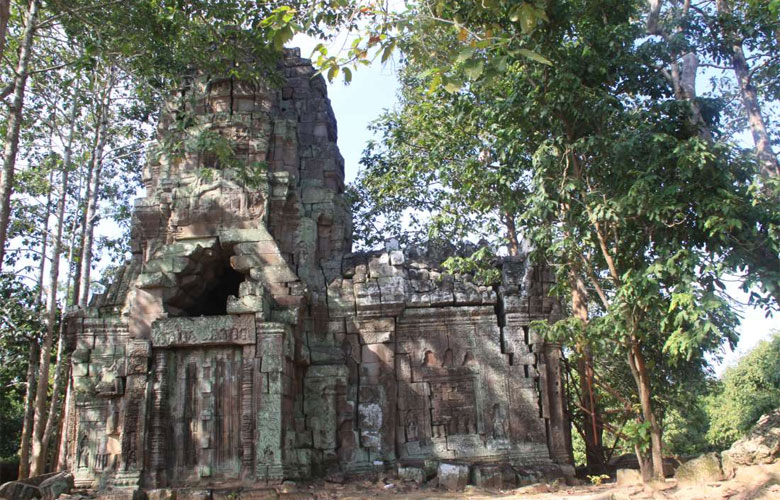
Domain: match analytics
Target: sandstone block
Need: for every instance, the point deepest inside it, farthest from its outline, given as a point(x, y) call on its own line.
point(272, 274)
point(229, 236)
point(411, 474)
point(703, 469)
point(628, 477)
point(396, 257)
point(154, 280)
point(246, 304)
point(453, 477)
point(489, 477)
point(160, 494)
point(378, 353)
point(188, 494)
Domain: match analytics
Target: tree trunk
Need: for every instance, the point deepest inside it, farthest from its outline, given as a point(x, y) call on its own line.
point(53, 282)
point(767, 158)
point(93, 194)
point(27, 424)
point(511, 234)
point(636, 362)
point(683, 67)
point(45, 240)
point(5, 14)
point(59, 367)
point(14, 124)
point(61, 455)
point(592, 426)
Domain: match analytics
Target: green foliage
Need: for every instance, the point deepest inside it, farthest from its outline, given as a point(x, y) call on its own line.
point(747, 391)
point(20, 326)
point(598, 165)
point(481, 264)
point(685, 427)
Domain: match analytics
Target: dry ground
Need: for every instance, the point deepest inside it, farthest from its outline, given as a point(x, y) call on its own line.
point(759, 482)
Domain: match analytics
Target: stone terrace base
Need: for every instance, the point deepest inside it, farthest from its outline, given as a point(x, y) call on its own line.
point(429, 474)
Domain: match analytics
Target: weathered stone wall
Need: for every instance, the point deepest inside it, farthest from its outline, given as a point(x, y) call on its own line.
point(243, 343)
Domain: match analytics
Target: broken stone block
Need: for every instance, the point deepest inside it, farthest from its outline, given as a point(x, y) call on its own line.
point(489, 477)
point(160, 494)
point(628, 477)
point(703, 469)
point(396, 257)
point(453, 477)
point(246, 304)
point(411, 474)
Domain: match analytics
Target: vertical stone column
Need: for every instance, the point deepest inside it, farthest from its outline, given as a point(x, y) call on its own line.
point(158, 443)
point(249, 365)
point(270, 432)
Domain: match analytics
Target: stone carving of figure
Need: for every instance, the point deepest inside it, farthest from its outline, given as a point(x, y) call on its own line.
point(429, 359)
point(82, 457)
point(101, 457)
point(130, 455)
point(499, 422)
point(196, 189)
point(412, 429)
point(448, 357)
point(109, 383)
point(268, 455)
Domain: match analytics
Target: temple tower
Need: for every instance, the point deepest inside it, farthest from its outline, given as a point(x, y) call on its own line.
point(244, 344)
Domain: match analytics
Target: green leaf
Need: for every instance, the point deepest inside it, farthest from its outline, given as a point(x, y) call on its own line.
point(473, 69)
point(464, 54)
point(530, 54)
point(452, 86)
point(387, 52)
point(333, 72)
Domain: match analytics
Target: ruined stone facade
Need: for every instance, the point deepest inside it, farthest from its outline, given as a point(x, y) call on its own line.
point(243, 343)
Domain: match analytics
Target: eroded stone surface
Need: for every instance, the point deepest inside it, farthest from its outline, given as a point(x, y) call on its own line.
point(244, 345)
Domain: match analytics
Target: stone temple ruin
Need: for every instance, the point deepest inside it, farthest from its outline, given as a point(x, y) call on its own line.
point(244, 344)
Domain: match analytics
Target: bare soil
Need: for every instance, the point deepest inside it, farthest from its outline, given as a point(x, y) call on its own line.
point(757, 482)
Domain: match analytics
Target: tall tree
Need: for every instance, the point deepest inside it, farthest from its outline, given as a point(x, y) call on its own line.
point(15, 121)
point(733, 45)
point(102, 114)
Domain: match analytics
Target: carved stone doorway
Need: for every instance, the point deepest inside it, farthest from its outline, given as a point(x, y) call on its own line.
point(205, 414)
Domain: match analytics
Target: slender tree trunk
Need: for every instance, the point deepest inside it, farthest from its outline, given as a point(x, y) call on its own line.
point(683, 67)
point(15, 123)
point(62, 455)
point(45, 240)
point(51, 318)
point(636, 361)
point(27, 424)
point(767, 158)
point(593, 429)
point(53, 282)
point(93, 194)
point(511, 233)
point(5, 14)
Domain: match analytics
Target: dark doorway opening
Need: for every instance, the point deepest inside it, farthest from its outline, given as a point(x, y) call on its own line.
point(213, 301)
